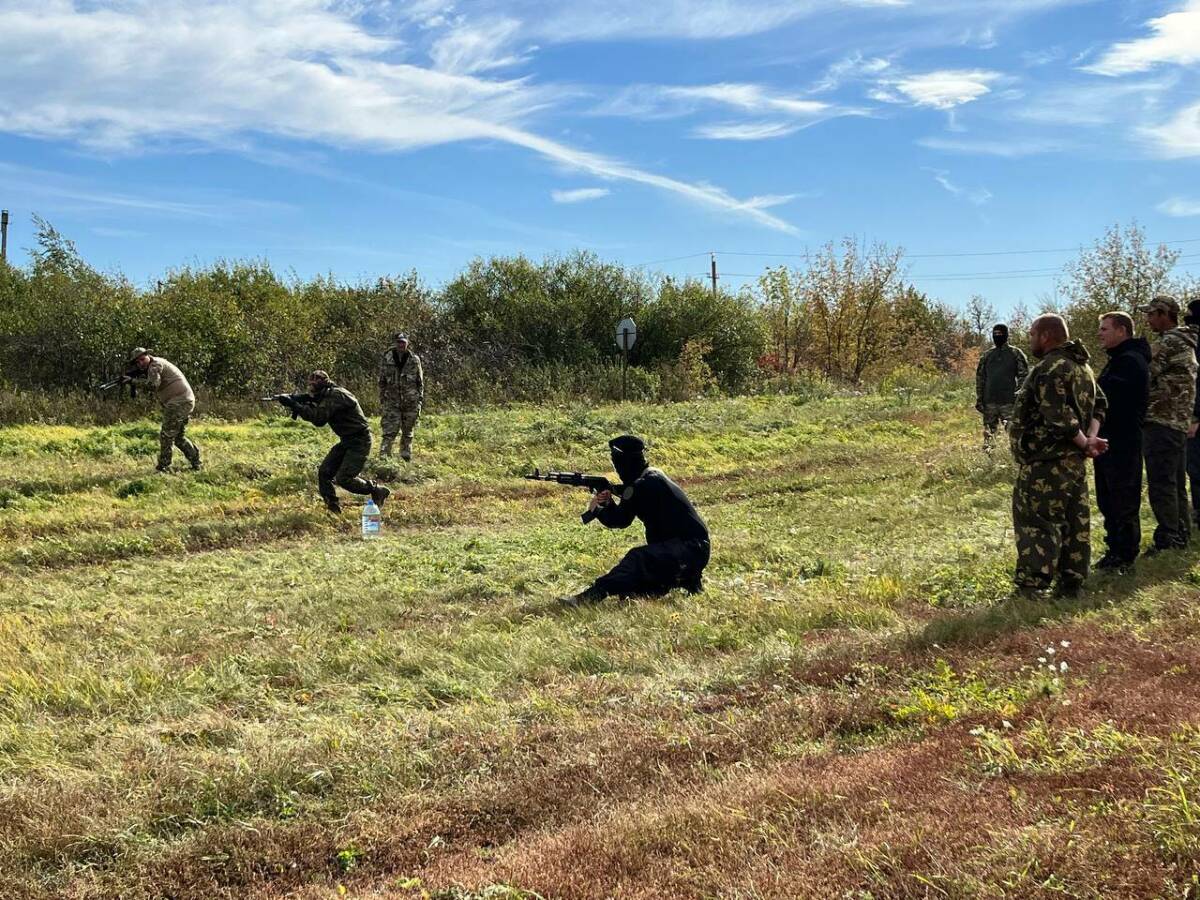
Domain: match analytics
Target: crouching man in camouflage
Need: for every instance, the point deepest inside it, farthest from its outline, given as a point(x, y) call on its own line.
point(327, 404)
point(1057, 416)
point(401, 393)
point(178, 403)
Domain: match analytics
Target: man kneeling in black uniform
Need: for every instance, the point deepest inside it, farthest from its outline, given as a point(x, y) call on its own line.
point(677, 548)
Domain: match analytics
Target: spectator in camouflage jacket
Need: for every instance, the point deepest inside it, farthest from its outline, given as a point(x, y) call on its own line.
point(1169, 415)
point(1000, 373)
point(1053, 431)
point(401, 393)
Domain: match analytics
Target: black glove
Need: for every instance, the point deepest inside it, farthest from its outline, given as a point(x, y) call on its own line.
point(287, 401)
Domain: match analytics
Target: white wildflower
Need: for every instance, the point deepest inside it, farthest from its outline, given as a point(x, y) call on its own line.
point(1062, 666)
point(1064, 644)
point(1041, 660)
point(1049, 651)
point(1007, 724)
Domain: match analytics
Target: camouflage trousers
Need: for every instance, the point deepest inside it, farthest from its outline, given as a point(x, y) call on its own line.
point(993, 415)
point(1051, 522)
point(399, 419)
point(174, 423)
point(343, 465)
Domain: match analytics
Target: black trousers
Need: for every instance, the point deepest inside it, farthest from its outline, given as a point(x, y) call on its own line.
point(654, 569)
point(1119, 496)
point(342, 465)
point(1165, 452)
point(1193, 470)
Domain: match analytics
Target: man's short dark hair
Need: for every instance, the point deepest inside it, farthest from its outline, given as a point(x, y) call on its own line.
point(1120, 319)
point(1052, 325)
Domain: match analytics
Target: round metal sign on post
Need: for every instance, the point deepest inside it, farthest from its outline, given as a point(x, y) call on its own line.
point(626, 334)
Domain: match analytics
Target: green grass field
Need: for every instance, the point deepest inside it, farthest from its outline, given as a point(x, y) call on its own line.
point(211, 688)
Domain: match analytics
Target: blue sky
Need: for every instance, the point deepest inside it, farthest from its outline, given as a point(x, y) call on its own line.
point(361, 137)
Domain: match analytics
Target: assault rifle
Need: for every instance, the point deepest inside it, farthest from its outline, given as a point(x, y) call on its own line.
point(124, 378)
point(594, 483)
point(291, 401)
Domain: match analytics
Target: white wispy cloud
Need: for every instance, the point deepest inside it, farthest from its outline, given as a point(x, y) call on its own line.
point(975, 196)
point(942, 89)
point(745, 131)
point(772, 113)
point(1176, 39)
point(579, 195)
point(131, 74)
point(467, 49)
point(849, 68)
point(1008, 148)
point(1180, 207)
point(1178, 137)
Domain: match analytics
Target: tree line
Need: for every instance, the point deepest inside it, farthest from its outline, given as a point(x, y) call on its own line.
point(512, 328)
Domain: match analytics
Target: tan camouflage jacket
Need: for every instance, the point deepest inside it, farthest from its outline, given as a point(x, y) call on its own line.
point(400, 385)
point(1173, 378)
point(1059, 399)
point(167, 382)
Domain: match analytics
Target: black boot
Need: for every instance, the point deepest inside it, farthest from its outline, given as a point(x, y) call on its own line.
point(379, 494)
point(588, 597)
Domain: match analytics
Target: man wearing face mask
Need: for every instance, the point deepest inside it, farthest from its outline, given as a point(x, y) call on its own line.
point(677, 547)
point(1000, 373)
point(1054, 431)
point(328, 404)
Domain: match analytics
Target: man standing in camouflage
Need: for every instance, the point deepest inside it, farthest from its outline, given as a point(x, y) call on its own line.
point(327, 404)
point(1000, 373)
point(1053, 432)
point(178, 403)
point(401, 393)
point(1168, 418)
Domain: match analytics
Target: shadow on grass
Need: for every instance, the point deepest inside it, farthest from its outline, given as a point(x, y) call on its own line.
point(980, 626)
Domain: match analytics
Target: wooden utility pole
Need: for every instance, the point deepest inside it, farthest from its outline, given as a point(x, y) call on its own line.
point(714, 272)
point(3, 235)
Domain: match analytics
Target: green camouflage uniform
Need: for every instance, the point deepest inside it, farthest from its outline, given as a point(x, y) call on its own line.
point(401, 393)
point(1000, 372)
point(339, 409)
point(1164, 436)
point(1060, 397)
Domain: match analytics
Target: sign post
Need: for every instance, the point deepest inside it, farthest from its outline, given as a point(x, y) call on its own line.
point(626, 336)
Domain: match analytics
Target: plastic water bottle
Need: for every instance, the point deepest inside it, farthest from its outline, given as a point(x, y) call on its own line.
point(372, 520)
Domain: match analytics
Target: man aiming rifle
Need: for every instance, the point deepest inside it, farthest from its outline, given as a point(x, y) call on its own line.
point(677, 545)
point(328, 404)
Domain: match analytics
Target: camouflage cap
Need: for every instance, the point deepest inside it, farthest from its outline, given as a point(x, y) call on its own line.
point(1161, 303)
point(400, 336)
point(137, 352)
point(318, 375)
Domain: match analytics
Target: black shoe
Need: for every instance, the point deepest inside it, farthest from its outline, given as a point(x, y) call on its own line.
point(695, 586)
point(1154, 550)
point(1108, 561)
point(333, 506)
point(380, 493)
point(163, 470)
point(1028, 592)
point(588, 597)
point(1068, 590)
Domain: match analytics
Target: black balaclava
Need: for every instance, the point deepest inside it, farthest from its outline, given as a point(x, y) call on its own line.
point(1193, 313)
point(1000, 335)
point(628, 457)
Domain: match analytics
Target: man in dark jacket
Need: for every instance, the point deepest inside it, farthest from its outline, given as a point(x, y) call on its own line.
point(1125, 382)
point(677, 547)
point(999, 375)
point(327, 404)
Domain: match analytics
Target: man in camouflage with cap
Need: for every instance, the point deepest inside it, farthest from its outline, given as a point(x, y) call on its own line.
point(1168, 418)
point(1053, 432)
point(174, 394)
point(401, 393)
point(327, 404)
point(676, 549)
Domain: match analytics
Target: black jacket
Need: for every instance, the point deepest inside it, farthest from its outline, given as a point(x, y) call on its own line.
point(338, 408)
point(662, 506)
point(1126, 382)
